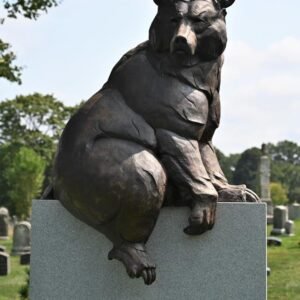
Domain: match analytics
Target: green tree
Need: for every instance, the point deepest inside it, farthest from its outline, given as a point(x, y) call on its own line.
point(35, 121)
point(228, 163)
point(294, 195)
point(7, 153)
point(247, 169)
point(30, 9)
point(7, 68)
point(278, 194)
point(285, 151)
point(285, 167)
point(25, 177)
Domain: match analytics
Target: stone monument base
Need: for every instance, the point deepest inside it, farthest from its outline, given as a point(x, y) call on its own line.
point(278, 231)
point(69, 259)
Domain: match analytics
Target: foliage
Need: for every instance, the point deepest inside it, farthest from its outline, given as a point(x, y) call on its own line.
point(30, 9)
point(7, 69)
point(228, 163)
point(7, 153)
point(24, 290)
point(247, 167)
point(25, 177)
point(285, 168)
point(278, 194)
point(294, 195)
point(35, 121)
point(285, 151)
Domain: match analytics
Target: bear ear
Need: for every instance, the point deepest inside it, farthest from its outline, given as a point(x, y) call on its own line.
point(159, 2)
point(225, 3)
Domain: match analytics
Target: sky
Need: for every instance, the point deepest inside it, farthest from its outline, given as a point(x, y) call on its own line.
point(70, 52)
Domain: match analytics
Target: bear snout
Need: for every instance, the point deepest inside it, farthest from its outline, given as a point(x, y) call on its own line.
point(184, 40)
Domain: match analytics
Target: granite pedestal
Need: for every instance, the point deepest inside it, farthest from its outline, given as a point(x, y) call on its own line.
point(69, 259)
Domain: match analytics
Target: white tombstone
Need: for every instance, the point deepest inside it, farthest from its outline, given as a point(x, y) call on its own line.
point(289, 228)
point(4, 223)
point(280, 219)
point(21, 238)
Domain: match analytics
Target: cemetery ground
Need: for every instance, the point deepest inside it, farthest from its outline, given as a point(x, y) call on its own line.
point(284, 261)
point(11, 284)
point(283, 284)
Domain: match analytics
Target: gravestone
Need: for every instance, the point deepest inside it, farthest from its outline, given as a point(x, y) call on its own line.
point(273, 241)
point(2, 248)
point(21, 238)
point(294, 211)
point(4, 223)
point(265, 192)
point(280, 219)
point(289, 228)
point(25, 259)
point(4, 264)
point(228, 262)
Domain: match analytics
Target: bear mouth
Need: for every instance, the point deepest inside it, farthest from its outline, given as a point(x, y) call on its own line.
point(181, 52)
point(184, 57)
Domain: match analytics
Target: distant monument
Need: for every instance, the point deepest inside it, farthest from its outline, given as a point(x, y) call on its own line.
point(265, 173)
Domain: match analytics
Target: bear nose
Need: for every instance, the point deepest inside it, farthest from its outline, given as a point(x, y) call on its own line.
point(180, 41)
point(184, 30)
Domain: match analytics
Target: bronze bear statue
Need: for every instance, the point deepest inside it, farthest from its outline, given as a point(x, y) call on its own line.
point(144, 140)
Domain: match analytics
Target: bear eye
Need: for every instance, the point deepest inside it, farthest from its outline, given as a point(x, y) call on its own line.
point(199, 21)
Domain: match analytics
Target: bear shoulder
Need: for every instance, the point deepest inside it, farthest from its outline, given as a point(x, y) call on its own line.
point(136, 54)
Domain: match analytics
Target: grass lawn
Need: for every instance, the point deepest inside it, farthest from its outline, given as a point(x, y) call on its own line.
point(9, 285)
point(283, 284)
point(284, 261)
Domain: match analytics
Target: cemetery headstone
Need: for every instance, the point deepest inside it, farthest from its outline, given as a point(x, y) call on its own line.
point(265, 171)
point(2, 248)
point(25, 259)
point(280, 219)
point(4, 264)
point(289, 228)
point(294, 211)
point(21, 238)
point(4, 223)
point(274, 241)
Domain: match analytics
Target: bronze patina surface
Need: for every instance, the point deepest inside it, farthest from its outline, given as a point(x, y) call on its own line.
point(145, 139)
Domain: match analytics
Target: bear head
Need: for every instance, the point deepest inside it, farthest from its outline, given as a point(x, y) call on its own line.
point(190, 29)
